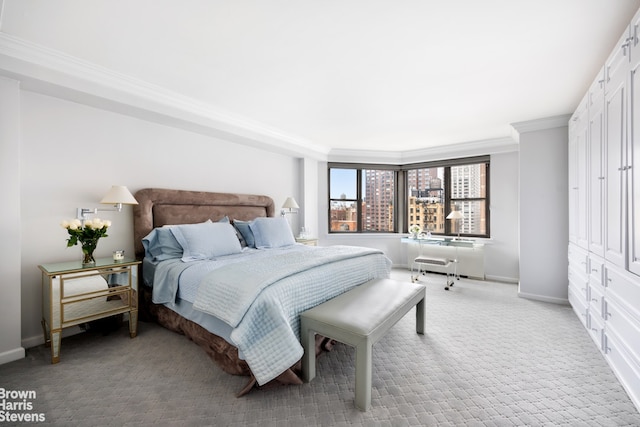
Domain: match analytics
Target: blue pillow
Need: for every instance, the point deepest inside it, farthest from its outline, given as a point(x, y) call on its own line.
point(206, 241)
point(245, 231)
point(160, 245)
point(272, 233)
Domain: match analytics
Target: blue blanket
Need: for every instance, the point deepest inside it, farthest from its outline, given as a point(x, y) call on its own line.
point(229, 291)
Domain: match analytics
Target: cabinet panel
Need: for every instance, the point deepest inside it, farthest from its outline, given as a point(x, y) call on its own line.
point(578, 304)
point(596, 302)
point(614, 142)
point(623, 365)
point(626, 329)
point(578, 180)
point(578, 259)
point(625, 290)
point(596, 330)
point(633, 155)
point(596, 169)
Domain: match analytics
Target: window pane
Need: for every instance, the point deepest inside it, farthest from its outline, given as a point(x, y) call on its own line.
point(426, 199)
point(343, 216)
point(474, 221)
point(469, 181)
point(343, 184)
point(378, 191)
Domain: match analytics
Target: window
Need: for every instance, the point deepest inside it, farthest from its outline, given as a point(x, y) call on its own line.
point(361, 199)
point(439, 188)
point(364, 198)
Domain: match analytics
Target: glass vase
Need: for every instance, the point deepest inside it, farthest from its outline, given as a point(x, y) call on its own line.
point(87, 254)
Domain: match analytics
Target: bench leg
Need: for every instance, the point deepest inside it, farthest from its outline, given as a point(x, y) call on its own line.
point(308, 339)
point(364, 361)
point(420, 320)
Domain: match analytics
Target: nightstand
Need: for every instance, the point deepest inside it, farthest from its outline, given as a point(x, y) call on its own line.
point(307, 241)
point(73, 294)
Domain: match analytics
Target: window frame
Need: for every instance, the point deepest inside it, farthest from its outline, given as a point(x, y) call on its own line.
point(401, 193)
point(360, 167)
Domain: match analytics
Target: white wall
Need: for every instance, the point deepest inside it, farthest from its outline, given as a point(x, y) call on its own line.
point(501, 254)
point(70, 156)
point(10, 346)
point(544, 214)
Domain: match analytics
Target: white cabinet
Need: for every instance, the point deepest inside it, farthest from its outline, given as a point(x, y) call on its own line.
point(604, 275)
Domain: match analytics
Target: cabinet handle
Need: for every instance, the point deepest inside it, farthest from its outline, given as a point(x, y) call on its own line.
point(601, 177)
point(594, 329)
point(594, 299)
point(594, 270)
point(624, 47)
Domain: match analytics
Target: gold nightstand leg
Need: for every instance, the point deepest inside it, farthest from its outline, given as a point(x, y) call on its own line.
point(47, 340)
point(56, 338)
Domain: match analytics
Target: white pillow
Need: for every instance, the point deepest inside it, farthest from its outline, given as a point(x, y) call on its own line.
point(272, 233)
point(206, 241)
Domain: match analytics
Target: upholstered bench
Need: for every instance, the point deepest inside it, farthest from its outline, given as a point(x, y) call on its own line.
point(424, 261)
point(360, 317)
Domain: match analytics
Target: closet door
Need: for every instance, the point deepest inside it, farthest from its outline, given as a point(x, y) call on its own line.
point(578, 131)
point(633, 151)
point(616, 70)
point(596, 167)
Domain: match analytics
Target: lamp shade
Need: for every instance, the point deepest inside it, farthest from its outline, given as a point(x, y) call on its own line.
point(119, 194)
point(455, 215)
point(290, 203)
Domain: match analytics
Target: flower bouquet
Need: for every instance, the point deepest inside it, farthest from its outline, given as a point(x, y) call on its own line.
point(414, 230)
point(87, 234)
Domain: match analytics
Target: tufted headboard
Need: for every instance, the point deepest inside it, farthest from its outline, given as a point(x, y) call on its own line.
point(157, 207)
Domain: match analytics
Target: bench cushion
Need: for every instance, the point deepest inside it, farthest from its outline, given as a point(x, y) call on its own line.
point(364, 308)
point(434, 261)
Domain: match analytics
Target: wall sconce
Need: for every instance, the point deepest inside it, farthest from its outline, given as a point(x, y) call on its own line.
point(118, 195)
point(290, 204)
point(457, 216)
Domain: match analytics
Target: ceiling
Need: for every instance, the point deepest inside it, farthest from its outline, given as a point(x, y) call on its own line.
point(346, 75)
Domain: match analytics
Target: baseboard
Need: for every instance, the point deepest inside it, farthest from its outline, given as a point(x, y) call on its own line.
point(561, 301)
point(37, 340)
point(12, 355)
point(502, 279)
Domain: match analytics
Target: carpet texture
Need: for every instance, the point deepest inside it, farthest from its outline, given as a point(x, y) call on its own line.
point(488, 358)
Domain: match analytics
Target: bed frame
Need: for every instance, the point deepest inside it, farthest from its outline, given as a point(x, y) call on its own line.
point(157, 207)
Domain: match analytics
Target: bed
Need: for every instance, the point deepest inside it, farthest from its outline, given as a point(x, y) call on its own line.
point(226, 272)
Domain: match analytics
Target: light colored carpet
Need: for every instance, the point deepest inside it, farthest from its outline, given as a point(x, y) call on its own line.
point(487, 358)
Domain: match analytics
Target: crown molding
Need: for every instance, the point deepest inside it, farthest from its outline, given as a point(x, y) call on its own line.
point(55, 73)
point(465, 149)
point(539, 124)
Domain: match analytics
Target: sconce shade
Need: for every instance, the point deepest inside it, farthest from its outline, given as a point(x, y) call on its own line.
point(119, 194)
point(290, 203)
point(455, 215)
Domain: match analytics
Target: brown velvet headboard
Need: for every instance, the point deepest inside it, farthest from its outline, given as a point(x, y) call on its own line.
point(157, 207)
